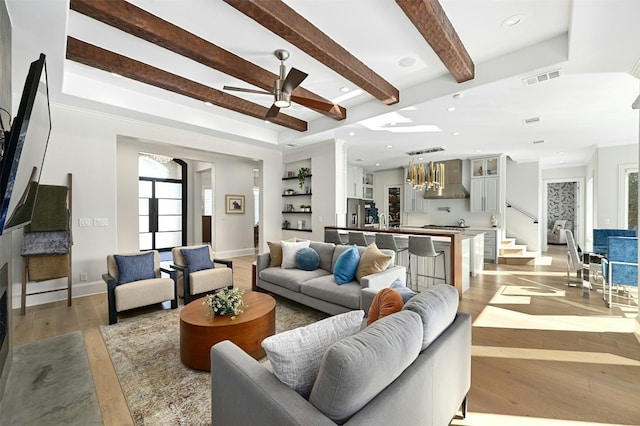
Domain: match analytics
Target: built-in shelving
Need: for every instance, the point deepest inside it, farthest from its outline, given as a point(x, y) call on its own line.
point(302, 196)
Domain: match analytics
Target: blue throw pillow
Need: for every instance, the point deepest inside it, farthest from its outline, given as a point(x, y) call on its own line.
point(307, 259)
point(197, 259)
point(404, 291)
point(135, 267)
point(346, 265)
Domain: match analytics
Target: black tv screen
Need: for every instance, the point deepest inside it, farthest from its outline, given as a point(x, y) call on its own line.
point(24, 150)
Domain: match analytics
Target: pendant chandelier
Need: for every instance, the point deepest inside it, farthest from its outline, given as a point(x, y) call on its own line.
point(430, 177)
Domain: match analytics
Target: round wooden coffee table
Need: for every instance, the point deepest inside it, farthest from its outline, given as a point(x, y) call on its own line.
point(200, 331)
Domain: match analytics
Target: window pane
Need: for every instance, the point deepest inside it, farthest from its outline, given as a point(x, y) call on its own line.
point(158, 166)
point(143, 223)
point(144, 189)
point(168, 239)
point(145, 241)
point(169, 206)
point(169, 190)
point(207, 201)
point(143, 206)
point(169, 223)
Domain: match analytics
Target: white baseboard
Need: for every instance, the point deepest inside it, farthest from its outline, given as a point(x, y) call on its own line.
point(77, 290)
point(234, 253)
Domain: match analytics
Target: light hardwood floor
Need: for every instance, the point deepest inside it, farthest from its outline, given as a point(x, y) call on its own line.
point(542, 354)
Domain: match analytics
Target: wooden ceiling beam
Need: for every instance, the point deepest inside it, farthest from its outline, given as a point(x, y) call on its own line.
point(432, 22)
point(140, 23)
point(97, 57)
point(285, 22)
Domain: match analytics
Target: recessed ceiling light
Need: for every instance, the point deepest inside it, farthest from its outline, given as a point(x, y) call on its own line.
point(455, 134)
point(561, 153)
point(208, 103)
point(389, 146)
point(512, 21)
point(352, 133)
point(409, 61)
point(478, 150)
point(451, 109)
point(344, 89)
point(420, 158)
point(562, 162)
point(377, 164)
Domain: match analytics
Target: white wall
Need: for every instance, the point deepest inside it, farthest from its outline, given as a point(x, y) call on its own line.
point(523, 192)
point(85, 144)
point(608, 194)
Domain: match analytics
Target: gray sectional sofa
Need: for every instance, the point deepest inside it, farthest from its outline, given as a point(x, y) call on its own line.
point(318, 288)
point(412, 367)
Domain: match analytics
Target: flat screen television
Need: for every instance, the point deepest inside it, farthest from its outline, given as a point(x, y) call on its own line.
point(24, 150)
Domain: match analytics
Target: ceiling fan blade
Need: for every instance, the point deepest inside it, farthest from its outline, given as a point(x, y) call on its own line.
point(314, 104)
point(293, 80)
point(241, 89)
point(273, 111)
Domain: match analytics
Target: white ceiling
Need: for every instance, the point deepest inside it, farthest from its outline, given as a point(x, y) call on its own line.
point(594, 43)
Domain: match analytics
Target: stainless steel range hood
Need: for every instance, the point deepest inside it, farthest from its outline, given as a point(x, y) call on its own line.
point(453, 187)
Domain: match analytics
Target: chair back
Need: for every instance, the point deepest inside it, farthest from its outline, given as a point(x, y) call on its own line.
point(574, 257)
point(357, 238)
point(622, 261)
point(332, 236)
point(386, 241)
point(112, 265)
point(421, 246)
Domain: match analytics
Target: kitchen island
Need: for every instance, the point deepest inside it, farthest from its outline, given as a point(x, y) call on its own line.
point(453, 253)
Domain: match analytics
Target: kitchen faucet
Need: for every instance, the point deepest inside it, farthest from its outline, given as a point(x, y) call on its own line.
point(382, 219)
point(461, 222)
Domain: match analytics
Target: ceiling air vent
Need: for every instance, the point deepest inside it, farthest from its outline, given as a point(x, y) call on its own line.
point(532, 120)
point(426, 151)
point(535, 79)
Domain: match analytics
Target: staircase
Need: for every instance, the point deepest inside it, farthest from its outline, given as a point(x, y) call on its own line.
point(515, 254)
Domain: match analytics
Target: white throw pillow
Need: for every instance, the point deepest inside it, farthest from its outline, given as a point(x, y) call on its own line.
point(295, 355)
point(289, 251)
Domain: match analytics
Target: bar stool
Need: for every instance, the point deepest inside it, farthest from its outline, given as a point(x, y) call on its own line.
point(423, 247)
point(358, 239)
point(389, 241)
point(333, 236)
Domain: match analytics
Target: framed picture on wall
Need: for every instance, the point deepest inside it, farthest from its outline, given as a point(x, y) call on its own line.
point(234, 204)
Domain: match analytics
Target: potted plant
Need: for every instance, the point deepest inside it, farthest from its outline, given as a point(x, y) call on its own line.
point(303, 172)
point(225, 302)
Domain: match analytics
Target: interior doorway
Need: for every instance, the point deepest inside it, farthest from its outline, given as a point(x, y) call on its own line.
point(564, 200)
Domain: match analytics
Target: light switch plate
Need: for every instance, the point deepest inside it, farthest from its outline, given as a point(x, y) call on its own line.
point(100, 221)
point(84, 221)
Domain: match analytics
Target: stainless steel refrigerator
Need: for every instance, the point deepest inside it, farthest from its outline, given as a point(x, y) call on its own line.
point(355, 213)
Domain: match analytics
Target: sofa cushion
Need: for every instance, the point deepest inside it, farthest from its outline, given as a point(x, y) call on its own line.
point(295, 355)
point(345, 267)
point(275, 252)
point(291, 278)
point(135, 267)
point(437, 306)
point(289, 251)
point(405, 291)
point(386, 302)
point(357, 368)
point(307, 259)
point(325, 288)
point(372, 261)
point(197, 259)
point(325, 251)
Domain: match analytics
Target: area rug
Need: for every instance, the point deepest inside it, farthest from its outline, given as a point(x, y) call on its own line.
point(159, 389)
point(50, 383)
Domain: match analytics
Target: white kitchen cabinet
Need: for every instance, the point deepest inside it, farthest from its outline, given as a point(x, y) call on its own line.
point(367, 185)
point(413, 201)
point(355, 177)
point(486, 184)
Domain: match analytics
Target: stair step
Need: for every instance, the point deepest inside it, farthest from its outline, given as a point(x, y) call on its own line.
point(507, 242)
point(524, 258)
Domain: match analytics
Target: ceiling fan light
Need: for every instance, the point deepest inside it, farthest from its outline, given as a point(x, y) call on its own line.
point(282, 103)
point(283, 100)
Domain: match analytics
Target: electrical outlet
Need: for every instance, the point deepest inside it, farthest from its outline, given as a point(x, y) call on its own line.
point(83, 276)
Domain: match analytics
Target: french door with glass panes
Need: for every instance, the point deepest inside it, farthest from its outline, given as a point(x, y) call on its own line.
point(162, 223)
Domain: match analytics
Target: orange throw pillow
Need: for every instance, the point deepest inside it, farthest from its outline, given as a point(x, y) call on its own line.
point(387, 301)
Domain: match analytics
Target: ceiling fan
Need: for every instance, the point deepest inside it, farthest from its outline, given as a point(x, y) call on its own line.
point(283, 88)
